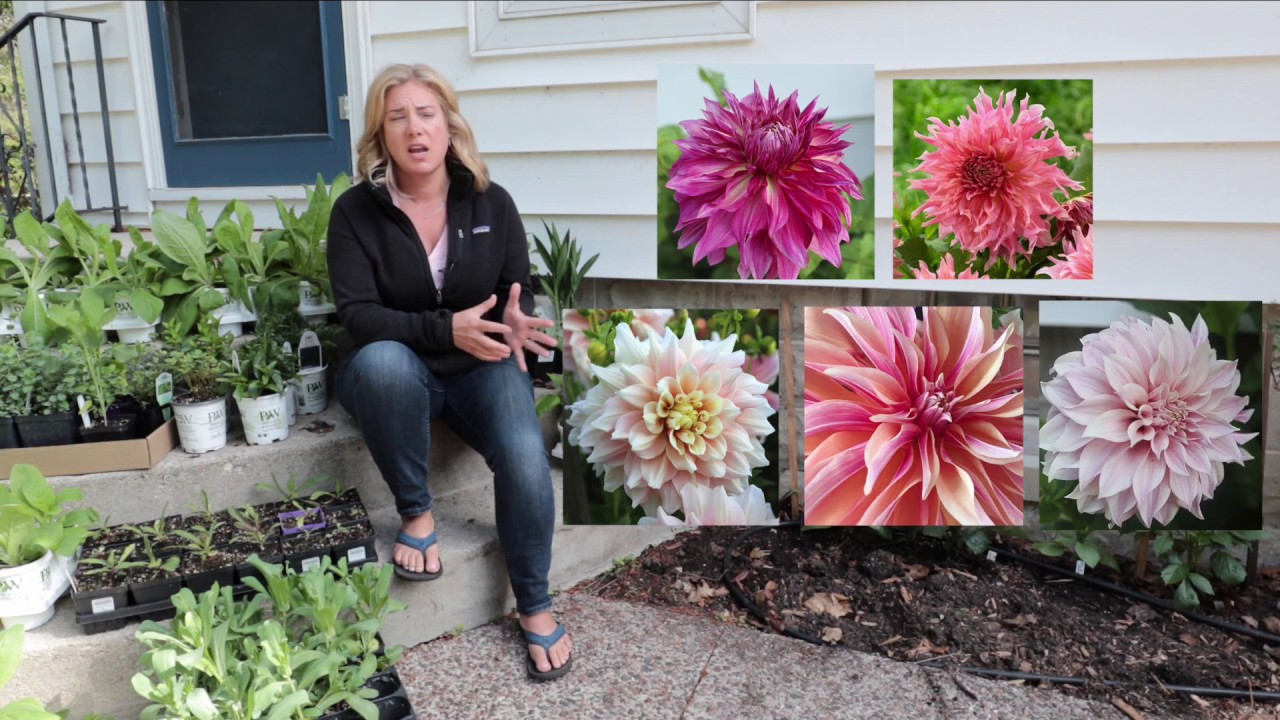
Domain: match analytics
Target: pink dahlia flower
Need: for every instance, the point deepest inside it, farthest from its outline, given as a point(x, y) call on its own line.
point(702, 505)
point(990, 180)
point(946, 271)
point(1141, 416)
point(671, 412)
point(1078, 262)
point(576, 326)
point(768, 177)
point(912, 422)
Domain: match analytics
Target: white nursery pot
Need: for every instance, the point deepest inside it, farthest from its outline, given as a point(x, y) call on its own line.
point(313, 306)
point(291, 401)
point(136, 335)
point(313, 392)
point(265, 419)
point(202, 426)
point(232, 315)
point(27, 592)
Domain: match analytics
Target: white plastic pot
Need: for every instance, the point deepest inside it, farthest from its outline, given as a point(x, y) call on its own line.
point(312, 303)
point(202, 426)
point(136, 335)
point(313, 394)
point(291, 401)
point(232, 315)
point(28, 593)
point(265, 419)
point(10, 322)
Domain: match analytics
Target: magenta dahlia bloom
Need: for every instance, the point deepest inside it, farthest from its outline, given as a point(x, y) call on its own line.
point(912, 421)
point(768, 177)
point(990, 180)
point(1141, 416)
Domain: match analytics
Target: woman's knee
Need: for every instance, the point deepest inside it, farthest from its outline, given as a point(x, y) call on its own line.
point(385, 366)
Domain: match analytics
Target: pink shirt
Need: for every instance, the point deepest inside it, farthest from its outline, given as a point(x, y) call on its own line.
point(438, 258)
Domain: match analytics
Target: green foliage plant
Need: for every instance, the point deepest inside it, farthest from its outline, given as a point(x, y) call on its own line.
point(34, 519)
point(562, 256)
point(198, 362)
point(46, 264)
point(101, 376)
point(10, 654)
point(303, 236)
point(1182, 554)
point(199, 270)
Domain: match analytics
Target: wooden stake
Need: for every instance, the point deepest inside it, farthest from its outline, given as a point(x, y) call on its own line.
point(1251, 563)
point(1140, 556)
point(789, 399)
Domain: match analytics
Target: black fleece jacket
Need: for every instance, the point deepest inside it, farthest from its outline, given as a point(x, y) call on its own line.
point(382, 285)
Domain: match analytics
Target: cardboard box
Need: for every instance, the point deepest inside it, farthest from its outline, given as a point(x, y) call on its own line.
point(84, 458)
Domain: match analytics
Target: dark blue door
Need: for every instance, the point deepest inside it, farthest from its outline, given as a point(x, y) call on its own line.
point(250, 92)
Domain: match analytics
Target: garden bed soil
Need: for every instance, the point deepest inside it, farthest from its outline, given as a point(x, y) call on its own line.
point(923, 599)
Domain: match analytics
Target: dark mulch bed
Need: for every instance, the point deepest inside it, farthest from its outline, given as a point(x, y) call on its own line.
point(922, 599)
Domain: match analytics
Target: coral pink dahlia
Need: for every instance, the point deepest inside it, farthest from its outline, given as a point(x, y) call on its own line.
point(1141, 416)
point(670, 412)
point(990, 180)
point(946, 271)
point(768, 177)
point(912, 422)
point(1078, 263)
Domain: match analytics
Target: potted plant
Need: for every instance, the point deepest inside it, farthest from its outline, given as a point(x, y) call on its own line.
point(265, 283)
point(259, 388)
point(155, 577)
point(48, 418)
point(205, 284)
point(13, 400)
point(102, 580)
point(143, 367)
point(256, 533)
point(47, 263)
point(304, 238)
point(39, 538)
point(564, 274)
point(200, 393)
point(206, 563)
point(138, 299)
point(98, 374)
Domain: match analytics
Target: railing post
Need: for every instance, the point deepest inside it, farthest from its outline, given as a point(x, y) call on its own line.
point(75, 114)
point(22, 132)
point(44, 112)
point(106, 129)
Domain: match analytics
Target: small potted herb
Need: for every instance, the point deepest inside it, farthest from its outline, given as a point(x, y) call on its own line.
point(200, 393)
point(102, 580)
point(13, 399)
point(258, 384)
point(99, 374)
point(49, 419)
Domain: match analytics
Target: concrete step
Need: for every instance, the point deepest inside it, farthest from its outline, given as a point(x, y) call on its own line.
point(473, 591)
point(325, 444)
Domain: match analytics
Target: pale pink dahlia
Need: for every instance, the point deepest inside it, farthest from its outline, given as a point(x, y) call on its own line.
point(702, 505)
point(670, 412)
point(765, 369)
point(990, 180)
point(912, 422)
point(1142, 417)
point(768, 177)
point(1078, 261)
point(576, 326)
point(946, 271)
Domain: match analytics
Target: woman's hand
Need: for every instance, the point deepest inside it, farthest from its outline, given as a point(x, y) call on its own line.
point(469, 328)
point(523, 334)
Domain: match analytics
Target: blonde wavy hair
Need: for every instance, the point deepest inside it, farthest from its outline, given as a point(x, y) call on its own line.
point(373, 162)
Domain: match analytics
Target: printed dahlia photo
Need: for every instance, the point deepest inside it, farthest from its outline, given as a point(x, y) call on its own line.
point(993, 179)
point(762, 184)
point(673, 423)
point(1146, 421)
point(913, 416)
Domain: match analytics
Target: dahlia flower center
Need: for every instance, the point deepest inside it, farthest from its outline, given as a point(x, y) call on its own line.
point(1167, 417)
point(689, 419)
point(772, 148)
point(934, 406)
point(983, 173)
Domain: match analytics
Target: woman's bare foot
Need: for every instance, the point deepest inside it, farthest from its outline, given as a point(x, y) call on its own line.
point(543, 624)
point(413, 560)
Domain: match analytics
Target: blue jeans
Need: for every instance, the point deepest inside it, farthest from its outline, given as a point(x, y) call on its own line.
point(394, 398)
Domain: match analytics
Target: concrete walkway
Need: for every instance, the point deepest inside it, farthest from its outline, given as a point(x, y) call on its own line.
point(639, 661)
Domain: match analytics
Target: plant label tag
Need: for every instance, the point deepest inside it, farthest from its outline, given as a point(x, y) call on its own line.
point(991, 555)
point(102, 605)
point(311, 562)
point(164, 389)
point(356, 554)
point(1079, 567)
point(84, 414)
point(309, 353)
point(288, 347)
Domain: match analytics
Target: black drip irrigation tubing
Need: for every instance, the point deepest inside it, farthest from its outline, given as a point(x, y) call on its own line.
point(789, 631)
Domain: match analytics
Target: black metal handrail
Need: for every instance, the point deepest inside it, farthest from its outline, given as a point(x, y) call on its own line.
point(25, 145)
